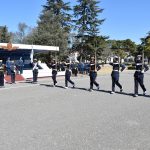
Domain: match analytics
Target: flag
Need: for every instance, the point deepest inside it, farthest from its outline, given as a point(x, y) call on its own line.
point(31, 54)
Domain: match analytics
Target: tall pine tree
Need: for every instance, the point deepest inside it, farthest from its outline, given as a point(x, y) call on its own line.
point(53, 25)
point(87, 20)
point(61, 10)
point(87, 23)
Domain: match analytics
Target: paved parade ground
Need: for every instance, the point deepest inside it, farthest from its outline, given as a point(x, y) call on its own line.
point(42, 117)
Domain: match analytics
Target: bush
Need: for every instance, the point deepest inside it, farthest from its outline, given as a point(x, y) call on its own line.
point(131, 67)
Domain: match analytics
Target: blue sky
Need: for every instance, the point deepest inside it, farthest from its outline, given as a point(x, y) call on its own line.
point(124, 18)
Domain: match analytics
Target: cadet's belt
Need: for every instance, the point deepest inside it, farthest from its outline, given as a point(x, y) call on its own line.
point(54, 69)
point(116, 70)
point(138, 70)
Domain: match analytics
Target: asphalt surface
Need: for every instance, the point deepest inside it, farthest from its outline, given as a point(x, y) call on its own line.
point(42, 117)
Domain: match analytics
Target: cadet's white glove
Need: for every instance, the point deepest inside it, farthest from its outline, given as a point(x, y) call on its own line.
point(142, 71)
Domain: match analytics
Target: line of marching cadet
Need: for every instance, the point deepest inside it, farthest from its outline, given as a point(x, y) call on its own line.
point(93, 68)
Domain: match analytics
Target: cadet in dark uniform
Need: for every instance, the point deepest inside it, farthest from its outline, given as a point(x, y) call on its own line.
point(93, 73)
point(20, 65)
point(13, 72)
point(74, 68)
point(54, 71)
point(8, 63)
point(115, 74)
point(68, 73)
point(139, 75)
point(35, 70)
point(1, 74)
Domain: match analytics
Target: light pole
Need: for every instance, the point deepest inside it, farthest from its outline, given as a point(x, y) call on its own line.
point(143, 44)
point(95, 52)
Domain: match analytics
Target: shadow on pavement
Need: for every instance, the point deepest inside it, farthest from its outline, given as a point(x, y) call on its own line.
point(78, 88)
point(123, 93)
point(48, 85)
point(131, 94)
point(148, 96)
point(25, 81)
point(60, 86)
point(104, 91)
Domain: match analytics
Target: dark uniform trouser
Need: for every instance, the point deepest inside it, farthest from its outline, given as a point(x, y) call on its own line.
point(1, 78)
point(54, 74)
point(8, 71)
point(67, 79)
point(93, 76)
point(75, 71)
point(35, 75)
point(20, 69)
point(115, 82)
point(137, 81)
point(12, 77)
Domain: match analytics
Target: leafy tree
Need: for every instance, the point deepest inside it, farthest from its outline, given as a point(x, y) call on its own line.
point(53, 26)
point(145, 45)
point(21, 34)
point(96, 44)
point(129, 46)
point(5, 36)
point(107, 51)
point(90, 45)
point(123, 48)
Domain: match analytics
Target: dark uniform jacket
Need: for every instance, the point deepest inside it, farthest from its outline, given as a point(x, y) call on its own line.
point(1, 67)
point(68, 71)
point(140, 69)
point(116, 69)
point(54, 68)
point(35, 66)
point(94, 67)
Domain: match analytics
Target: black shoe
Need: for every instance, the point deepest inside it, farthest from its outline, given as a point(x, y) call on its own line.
point(34, 82)
point(2, 86)
point(121, 90)
point(73, 86)
point(98, 87)
point(90, 90)
point(144, 93)
point(112, 92)
point(135, 95)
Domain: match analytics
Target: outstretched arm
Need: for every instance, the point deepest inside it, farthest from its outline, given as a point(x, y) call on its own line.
point(98, 67)
point(146, 68)
point(122, 67)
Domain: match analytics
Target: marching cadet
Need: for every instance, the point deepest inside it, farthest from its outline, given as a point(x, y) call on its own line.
point(13, 71)
point(139, 75)
point(8, 64)
point(74, 68)
point(35, 70)
point(68, 73)
point(115, 74)
point(93, 73)
point(20, 65)
point(1, 74)
point(54, 71)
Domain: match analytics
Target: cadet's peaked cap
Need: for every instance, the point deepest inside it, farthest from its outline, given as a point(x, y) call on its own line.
point(139, 55)
point(115, 56)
